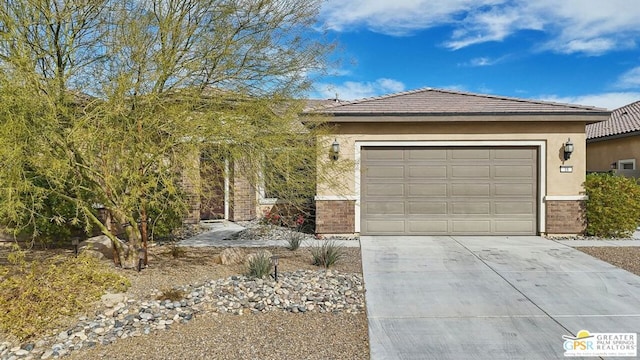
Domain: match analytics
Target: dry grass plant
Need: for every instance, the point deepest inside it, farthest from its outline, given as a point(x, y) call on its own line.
point(36, 294)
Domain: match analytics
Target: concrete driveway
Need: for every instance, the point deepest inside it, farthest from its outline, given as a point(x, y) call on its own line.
point(431, 297)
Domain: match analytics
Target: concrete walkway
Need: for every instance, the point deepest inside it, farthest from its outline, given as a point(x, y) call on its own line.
point(431, 297)
point(220, 234)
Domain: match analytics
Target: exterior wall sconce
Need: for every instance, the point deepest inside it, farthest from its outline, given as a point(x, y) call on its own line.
point(335, 150)
point(568, 149)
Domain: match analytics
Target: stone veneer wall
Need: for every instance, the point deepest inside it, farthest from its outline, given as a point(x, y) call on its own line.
point(566, 217)
point(335, 216)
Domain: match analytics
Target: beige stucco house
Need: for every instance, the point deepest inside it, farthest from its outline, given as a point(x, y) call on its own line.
point(614, 144)
point(444, 162)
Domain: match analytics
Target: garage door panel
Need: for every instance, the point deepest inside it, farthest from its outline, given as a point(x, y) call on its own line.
point(470, 190)
point(515, 208)
point(385, 226)
point(514, 227)
point(470, 171)
point(427, 171)
point(384, 208)
point(514, 189)
point(462, 154)
point(474, 208)
point(514, 171)
point(514, 153)
point(377, 190)
point(384, 154)
point(471, 226)
point(434, 154)
point(427, 208)
point(385, 172)
point(456, 191)
point(428, 226)
point(430, 190)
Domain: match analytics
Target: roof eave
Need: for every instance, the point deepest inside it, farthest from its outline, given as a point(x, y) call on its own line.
point(614, 136)
point(588, 117)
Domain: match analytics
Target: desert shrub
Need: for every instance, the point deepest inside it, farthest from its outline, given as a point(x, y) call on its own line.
point(294, 240)
point(613, 207)
point(300, 218)
point(272, 218)
point(259, 265)
point(166, 223)
point(176, 251)
point(327, 254)
point(305, 222)
point(35, 295)
point(171, 295)
point(55, 223)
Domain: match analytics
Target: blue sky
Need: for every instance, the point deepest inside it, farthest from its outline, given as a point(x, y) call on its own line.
point(572, 51)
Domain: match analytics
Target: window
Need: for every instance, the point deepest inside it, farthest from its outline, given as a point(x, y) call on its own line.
point(288, 175)
point(627, 164)
point(274, 175)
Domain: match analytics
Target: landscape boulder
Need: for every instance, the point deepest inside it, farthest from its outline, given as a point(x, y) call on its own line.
point(99, 244)
point(110, 300)
point(232, 256)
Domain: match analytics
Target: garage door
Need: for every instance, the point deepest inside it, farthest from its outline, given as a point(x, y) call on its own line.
point(453, 191)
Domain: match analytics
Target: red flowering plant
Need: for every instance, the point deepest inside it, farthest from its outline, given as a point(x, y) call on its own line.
point(272, 218)
point(301, 222)
point(298, 222)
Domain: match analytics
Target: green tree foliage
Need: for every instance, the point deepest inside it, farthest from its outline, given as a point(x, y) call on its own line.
point(111, 102)
point(613, 207)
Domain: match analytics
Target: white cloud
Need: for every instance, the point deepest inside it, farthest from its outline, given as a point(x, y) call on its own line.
point(480, 89)
point(612, 100)
point(572, 26)
point(589, 46)
point(591, 27)
point(351, 90)
point(630, 79)
point(454, 87)
point(398, 17)
point(483, 61)
point(492, 25)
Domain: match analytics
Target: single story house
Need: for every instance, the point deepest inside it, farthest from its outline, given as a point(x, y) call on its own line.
point(614, 144)
point(443, 162)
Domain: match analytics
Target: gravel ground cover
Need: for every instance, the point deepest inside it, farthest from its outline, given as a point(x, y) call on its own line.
point(262, 336)
point(310, 314)
point(626, 257)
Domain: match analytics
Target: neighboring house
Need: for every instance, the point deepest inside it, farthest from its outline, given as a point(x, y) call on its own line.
point(614, 144)
point(439, 162)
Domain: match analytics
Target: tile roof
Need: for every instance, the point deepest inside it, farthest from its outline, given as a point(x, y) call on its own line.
point(313, 104)
point(623, 120)
point(446, 102)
